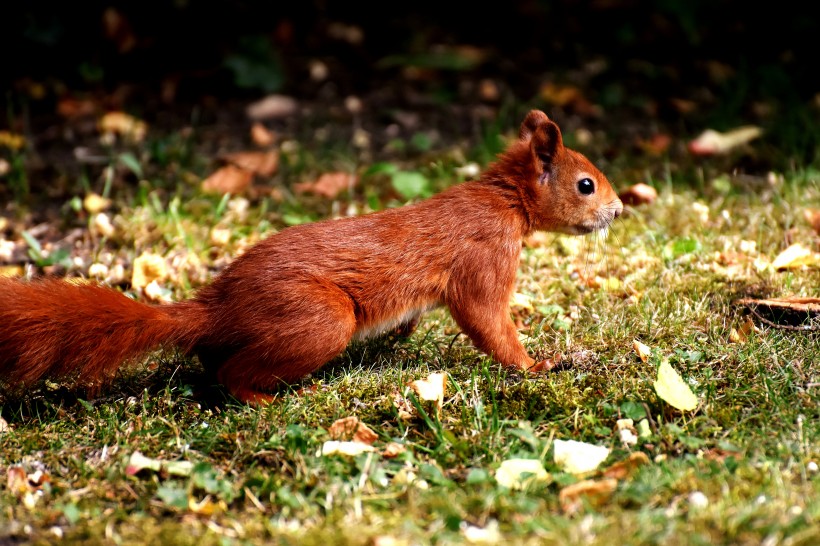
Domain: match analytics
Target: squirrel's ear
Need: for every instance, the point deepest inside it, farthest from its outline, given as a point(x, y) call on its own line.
point(544, 136)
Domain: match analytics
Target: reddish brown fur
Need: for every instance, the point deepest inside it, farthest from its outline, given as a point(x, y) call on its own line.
point(296, 299)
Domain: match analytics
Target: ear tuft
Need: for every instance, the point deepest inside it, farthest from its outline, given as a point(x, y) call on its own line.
point(544, 136)
point(534, 120)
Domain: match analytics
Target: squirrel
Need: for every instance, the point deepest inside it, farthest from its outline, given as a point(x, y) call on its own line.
point(296, 299)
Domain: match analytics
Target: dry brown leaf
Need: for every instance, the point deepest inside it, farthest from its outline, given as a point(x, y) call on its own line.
point(258, 163)
point(638, 194)
point(124, 125)
point(228, 179)
point(594, 492)
point(328, 185)
point(643, 351)
point(261, 135)
point(69, 107)
point(404, 408)
point(17, 480)
point(711, 142)
point(813, 217)
point(350, 428)
point(624, 469)
point(789, 311)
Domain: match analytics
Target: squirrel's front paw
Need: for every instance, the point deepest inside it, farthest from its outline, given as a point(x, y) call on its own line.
point(546, 364)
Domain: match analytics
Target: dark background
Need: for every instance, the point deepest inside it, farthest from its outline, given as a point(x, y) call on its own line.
point(736, 61)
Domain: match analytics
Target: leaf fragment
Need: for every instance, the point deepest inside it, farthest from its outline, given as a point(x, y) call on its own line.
point(519, 473)
point(593, 492)
point(138, 462)
point(643, 351)
point(578, 457)
point(673, 390)
point(711, 142)
point(431, 389)
point(350, 428)
point(348, 449)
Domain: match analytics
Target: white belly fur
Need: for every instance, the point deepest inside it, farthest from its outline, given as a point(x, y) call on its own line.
point(372, 330)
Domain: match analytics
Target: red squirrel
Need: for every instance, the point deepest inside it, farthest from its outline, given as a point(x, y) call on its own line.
point(296, 299)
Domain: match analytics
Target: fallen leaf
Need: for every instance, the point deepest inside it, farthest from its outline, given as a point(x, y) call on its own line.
point(741, 335)
point(148, 267)
point(272, 107)
point(206, 507)
point(712, 142)
point(17, 480)
point(4, 426)
point(522, 301)
point(626, 432)
point(624, 469)
point(673, 389)
point(655, 145)
point(593, 492)
point(482, 535)
point(261, 136)
point(95, 203)
point(812, 216)
point(155, 292)
point(228, 179)
point(795, 256)
point(138, 462)
point(12, 141)
point(578, 457)
point(349, 449)
point(70, 107)
point(519, 473)
point(102, 224)
point(124, 125)
point(431, 389)
point(638, 194)
point(393, 450)
point(643, 351)
point(404, 408)
point(259, 163)
point(328, 185)
point(350, 428)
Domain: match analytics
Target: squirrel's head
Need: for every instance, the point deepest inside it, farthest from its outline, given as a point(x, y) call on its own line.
point(570, 194)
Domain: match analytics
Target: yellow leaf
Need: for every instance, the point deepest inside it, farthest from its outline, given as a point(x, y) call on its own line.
point(12, 141)
point(95, 203)
point(794, 256)
point(521, 300)
point(431, 389)
point(644, 351)
point(674, 390)
point(148, 267)
point(578, 457)
point(350, 449)
point(519, 473)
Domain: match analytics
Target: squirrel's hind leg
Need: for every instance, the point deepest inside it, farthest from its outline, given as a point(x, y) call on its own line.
point(290, 345)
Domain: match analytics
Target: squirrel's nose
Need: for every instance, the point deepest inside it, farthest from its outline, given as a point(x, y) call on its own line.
point(619, 208)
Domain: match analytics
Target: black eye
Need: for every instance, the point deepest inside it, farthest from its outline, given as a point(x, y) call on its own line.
point(586, 186)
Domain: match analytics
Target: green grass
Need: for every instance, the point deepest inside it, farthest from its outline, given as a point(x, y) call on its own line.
point(750, 450)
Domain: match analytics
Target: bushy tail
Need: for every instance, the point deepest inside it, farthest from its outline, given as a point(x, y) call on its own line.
point(56, 328)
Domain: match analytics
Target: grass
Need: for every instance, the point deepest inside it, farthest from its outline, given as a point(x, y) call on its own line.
point(740, 469)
